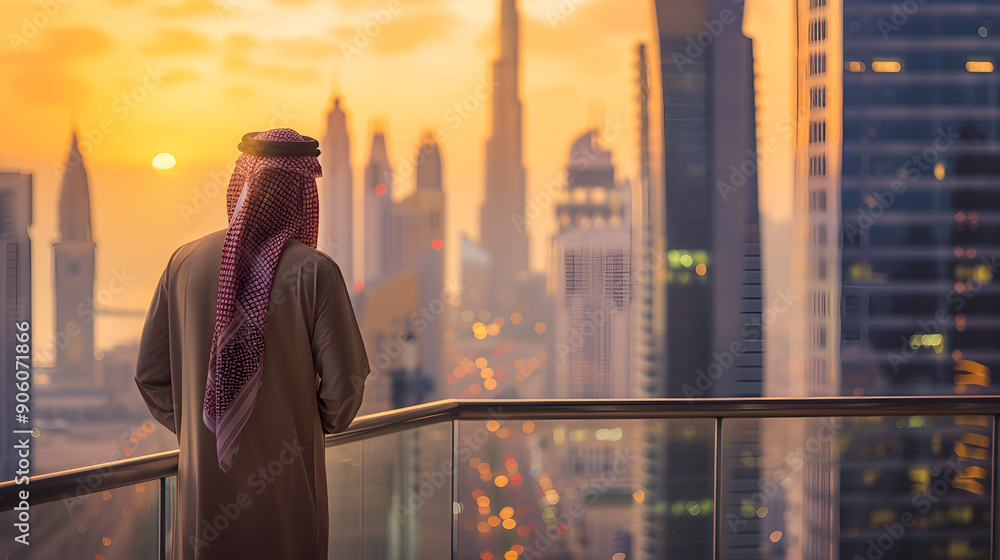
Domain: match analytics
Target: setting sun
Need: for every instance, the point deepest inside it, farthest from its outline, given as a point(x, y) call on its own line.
point(164, 161)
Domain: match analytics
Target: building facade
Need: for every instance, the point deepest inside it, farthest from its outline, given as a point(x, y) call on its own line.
point(15, 286)
point(336, 199)
point(74, 277)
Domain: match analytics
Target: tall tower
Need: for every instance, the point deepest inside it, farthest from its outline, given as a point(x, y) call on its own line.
point(712, 261)
point(74, 276)
point(920, 310)
point(378, 205)
point(15, 287)
point(502, 234)
point(336, 201)
point(416, 241)
point(591, 267)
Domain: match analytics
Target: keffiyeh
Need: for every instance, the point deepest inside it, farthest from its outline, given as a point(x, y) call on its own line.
point(271, 198)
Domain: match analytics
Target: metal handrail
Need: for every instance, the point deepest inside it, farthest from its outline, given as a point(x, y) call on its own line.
point(106, 476)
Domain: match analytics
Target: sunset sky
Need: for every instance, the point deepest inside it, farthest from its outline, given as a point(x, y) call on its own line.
point(189, 77)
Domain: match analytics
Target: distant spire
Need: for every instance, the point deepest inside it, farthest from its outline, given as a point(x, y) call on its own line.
point(428, 164)
point(74, 198)
point(379, 154)
point(508, 30)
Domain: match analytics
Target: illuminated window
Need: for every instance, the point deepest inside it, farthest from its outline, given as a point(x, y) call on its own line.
point(856, 66)
point(979, 66)
point(886, 66)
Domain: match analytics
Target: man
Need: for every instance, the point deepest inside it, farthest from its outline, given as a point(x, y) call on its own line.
point(250, 353)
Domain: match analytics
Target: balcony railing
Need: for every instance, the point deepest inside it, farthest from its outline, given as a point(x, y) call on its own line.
point(883, 477)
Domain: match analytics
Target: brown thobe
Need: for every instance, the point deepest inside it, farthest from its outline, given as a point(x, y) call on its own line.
point(273, 501)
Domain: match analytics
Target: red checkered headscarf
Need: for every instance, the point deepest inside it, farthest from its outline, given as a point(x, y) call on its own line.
point(274, 199)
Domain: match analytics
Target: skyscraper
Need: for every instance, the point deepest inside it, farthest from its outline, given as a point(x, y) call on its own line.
point(502, 229)
point(416, 240)
point(591, 268)
point(804, 507)
point(378, 205)
point(711, 230)
point(920, 309)
point(74, 276)
point(336, 199)
point(15, 287)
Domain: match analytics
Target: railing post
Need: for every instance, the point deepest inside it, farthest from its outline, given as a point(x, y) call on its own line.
point(163, 519)
point(995, 533)
point(717, 491)
point(454, 490)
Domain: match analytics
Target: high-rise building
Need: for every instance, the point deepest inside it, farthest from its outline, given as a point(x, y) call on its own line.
point(649, 318)
point(591, 272)
point(804, 507)
point(591, 277)
point(476, 272)
point(920, 310)
point(416, 240)
point(712, 259)
point(336, 199)
point(502, 231)
point(15, 287)
point(74, 277)
point(378, 205)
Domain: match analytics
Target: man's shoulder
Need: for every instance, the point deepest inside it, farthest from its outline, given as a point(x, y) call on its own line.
point(209, 243)
point(297, 256)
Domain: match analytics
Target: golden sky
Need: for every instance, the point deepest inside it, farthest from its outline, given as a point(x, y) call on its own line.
point(189, 77)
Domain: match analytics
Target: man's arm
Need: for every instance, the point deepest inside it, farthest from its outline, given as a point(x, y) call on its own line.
point(338, 354)
point(152, 368)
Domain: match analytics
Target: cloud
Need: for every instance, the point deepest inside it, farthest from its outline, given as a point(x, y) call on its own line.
point(241, 63)
point(305, 48)
point(595, 34)
point(175, 77)
point(372, 5)
point(183, 8)
point(241, 41)
point(405, 32)
point(76, 42)
point(592, 23)
point(177, 42)
point(48, 70)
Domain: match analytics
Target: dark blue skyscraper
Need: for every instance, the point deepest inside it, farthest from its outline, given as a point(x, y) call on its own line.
point(921, 221)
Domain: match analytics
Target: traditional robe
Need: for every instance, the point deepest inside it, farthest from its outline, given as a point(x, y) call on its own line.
point(273, 501)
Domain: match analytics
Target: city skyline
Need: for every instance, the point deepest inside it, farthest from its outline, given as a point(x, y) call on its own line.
point(128, 193)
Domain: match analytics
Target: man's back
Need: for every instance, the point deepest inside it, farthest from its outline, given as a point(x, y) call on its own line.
point(273, 501)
